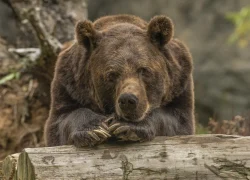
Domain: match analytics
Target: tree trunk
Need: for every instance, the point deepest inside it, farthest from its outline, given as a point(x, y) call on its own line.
point(181, 157)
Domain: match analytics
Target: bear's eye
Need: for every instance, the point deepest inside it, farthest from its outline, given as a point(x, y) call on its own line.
point(144, 72)
point(112, 76)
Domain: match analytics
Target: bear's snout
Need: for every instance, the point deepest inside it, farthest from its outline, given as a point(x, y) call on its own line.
point(131, 103)
point(128, 102)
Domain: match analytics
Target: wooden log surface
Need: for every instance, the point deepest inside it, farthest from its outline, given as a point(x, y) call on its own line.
point(181, 157)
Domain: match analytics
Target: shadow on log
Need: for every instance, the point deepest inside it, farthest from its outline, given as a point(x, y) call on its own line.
point(181, 157)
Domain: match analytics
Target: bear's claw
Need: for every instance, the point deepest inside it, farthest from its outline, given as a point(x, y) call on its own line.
point(123, 132)
point(93, 135)
point(114, 126)
point(109, 120)
point(105, 125)
point(102, 133)
point(121, 129)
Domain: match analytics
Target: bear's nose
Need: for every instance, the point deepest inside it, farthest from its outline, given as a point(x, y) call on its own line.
point(128, 102)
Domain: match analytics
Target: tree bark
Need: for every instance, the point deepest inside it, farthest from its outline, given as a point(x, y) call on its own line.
point(181, 157)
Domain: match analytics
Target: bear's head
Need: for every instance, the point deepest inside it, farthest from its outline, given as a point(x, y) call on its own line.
point(129, 66)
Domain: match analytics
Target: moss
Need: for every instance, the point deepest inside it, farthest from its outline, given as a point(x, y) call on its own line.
point(200, 129)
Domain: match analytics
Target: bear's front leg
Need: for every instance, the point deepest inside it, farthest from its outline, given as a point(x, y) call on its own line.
point(132, 131)
point(83, 127)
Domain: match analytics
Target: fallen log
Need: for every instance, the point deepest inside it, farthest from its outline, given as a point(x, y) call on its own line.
point(181, 157)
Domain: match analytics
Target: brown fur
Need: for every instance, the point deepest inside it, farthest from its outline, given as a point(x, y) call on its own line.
point(122, 55)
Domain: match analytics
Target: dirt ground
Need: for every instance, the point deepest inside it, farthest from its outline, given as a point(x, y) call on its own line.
point(22, 113)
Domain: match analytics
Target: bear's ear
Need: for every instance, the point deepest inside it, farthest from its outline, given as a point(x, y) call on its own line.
point(160, 30)
point(85, 34)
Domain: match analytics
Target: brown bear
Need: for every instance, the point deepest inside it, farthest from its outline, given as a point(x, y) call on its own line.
point(122, 78)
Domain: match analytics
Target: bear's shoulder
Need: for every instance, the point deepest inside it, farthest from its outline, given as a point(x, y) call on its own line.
point(107, 22)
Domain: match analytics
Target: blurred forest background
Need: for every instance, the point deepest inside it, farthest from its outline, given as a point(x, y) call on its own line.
point(33, 32)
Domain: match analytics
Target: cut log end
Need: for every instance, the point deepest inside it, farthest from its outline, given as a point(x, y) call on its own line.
point(28, 172)
point(9, 166)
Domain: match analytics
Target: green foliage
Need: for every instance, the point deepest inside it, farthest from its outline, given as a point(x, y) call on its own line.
point(241, 20)
point(10, 76)
point(201, 129)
